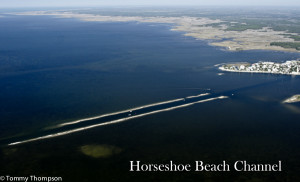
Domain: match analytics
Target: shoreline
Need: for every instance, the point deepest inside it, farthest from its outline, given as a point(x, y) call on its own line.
point(196, 27)
point(223, 69)
point(293, 99)
point(291, 67)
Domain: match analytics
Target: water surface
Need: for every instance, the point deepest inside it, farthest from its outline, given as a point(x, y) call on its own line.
point(55, 70)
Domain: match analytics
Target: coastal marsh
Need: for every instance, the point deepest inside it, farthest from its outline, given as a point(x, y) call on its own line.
point(254, 29)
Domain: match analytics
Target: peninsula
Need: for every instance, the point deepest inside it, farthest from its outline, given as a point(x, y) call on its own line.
point(244, 31)
point(288, 68)
point(293, 99)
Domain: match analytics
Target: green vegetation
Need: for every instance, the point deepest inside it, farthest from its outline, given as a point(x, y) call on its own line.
point(293, 45)
point(260, 21)
point(243, 27)
point(295, 37)
point(279, 19)
point(291, 28)
point(218, 25)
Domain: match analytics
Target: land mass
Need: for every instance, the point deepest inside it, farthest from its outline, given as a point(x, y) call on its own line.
point(260, 31)
point(293, 99)
point(288, 67)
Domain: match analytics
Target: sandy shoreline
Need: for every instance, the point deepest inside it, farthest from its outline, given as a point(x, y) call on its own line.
point(198, 28)
point(293, 99)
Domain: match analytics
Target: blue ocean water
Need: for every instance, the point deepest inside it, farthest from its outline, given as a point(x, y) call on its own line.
point(55, 70)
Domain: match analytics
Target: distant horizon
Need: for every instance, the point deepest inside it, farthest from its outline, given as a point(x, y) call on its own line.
point(153, 6)
point(146, 3)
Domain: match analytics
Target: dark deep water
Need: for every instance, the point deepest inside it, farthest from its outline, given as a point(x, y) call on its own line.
point(58, 70)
